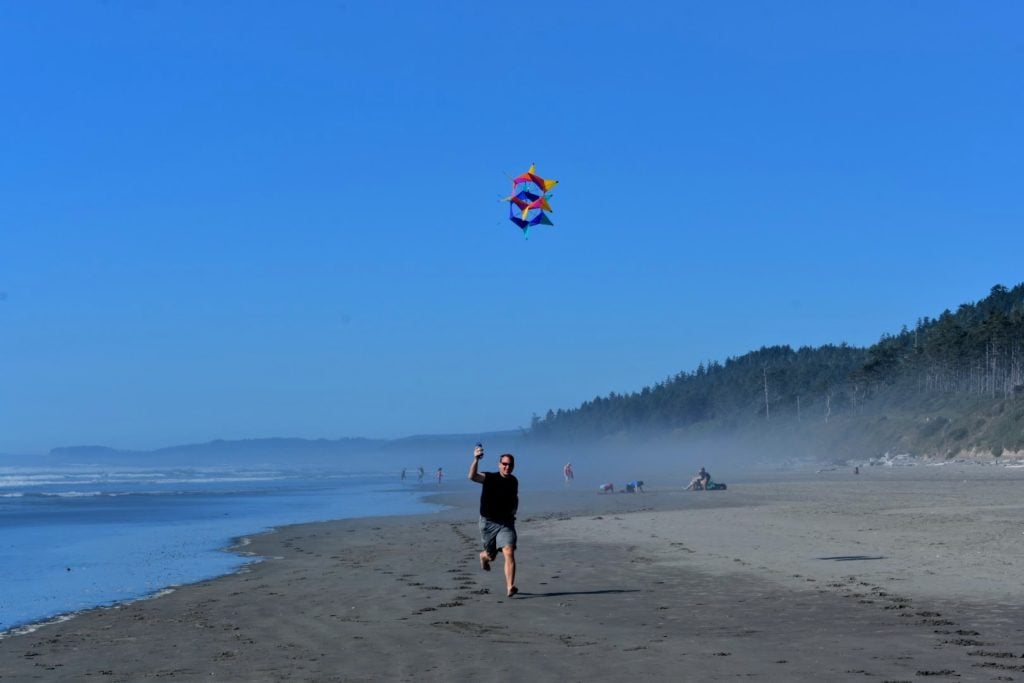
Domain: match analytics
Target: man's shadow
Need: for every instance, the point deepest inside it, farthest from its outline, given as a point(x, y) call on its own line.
point(558, 594)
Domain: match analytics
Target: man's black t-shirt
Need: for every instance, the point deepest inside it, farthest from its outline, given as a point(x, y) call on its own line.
point(499, 499)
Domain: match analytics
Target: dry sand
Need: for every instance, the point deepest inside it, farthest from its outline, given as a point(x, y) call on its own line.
point(894, 575)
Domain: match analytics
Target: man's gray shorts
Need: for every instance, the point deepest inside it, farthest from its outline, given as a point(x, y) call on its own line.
point(494, 535)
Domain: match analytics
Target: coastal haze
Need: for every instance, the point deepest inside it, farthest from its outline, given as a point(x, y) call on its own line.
point(260, 298)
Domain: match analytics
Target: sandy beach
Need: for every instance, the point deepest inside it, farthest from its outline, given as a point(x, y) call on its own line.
point(898, 574)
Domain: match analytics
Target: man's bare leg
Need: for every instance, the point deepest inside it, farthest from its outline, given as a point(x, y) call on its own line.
point(510, 569)
point(485, 561)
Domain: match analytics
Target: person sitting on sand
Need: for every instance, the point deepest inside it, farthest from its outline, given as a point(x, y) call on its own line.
point(499, 502)
point(606, 488)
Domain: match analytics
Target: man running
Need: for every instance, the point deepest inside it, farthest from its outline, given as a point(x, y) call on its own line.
point(499, 501)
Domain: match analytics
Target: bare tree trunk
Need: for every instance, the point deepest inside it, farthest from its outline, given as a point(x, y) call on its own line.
point(764, 370)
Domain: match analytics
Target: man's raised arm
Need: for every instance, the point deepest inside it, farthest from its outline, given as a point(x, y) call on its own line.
point(476, 476)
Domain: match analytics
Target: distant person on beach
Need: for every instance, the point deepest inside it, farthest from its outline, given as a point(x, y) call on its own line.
point(567, 472)
point(419, 474)
point(700, 482)
point(635, 486)
point(403, 474)
point(606, 488)
point(440, 475)
point(499, 502)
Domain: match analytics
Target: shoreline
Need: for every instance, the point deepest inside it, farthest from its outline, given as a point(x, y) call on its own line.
point(133, 541)
point(235, 546)
point(823, 579)
point(457, 503)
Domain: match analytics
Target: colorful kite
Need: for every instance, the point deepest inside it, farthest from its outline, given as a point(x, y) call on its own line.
point(529, 200)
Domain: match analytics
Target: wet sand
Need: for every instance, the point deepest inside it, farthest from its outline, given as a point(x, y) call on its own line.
point(894, 575)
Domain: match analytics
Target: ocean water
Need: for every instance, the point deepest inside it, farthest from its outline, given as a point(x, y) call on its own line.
point(73, 538)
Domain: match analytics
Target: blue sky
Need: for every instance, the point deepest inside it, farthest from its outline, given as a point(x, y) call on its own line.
point(248, 219)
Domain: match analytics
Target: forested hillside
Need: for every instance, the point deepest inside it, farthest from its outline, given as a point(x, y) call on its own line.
point(977, 351)
point(948, 385)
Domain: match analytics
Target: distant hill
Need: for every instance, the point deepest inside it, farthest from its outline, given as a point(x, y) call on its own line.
point(349, 452)
point(951, 386)
point(89, 452)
